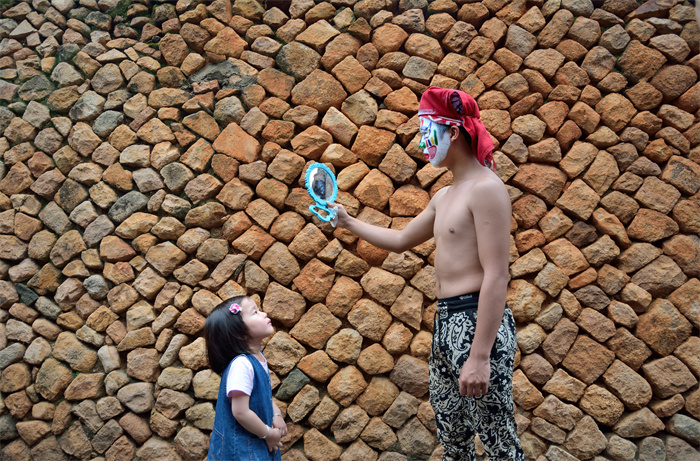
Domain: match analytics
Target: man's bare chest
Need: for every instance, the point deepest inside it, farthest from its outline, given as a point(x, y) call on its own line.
point(453, 218)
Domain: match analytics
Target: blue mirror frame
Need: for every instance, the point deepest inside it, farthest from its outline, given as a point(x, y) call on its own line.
point(320, 208)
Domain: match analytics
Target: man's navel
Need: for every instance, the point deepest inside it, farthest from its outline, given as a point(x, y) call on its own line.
point(452, 231)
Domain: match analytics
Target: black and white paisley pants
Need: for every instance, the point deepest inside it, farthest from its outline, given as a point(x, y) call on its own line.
point(459, 417)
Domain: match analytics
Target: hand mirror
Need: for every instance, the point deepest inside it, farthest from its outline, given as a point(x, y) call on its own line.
point(322, 187)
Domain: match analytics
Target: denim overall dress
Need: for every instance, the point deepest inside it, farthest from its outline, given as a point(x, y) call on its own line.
point(229, 440)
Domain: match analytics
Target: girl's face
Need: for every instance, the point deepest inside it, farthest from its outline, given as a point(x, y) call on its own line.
point(259, 326)
point(435, 141)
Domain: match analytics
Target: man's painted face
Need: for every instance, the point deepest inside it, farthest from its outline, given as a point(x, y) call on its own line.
point(435, 141)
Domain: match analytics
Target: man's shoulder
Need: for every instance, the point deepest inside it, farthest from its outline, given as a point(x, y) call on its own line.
point(489, 194)
point(487, 181)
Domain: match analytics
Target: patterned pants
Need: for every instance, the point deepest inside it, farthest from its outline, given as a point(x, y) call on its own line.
point(459, 417)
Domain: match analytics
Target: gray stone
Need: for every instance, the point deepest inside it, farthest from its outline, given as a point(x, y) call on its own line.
point(292, 384)
point(243, 76)
point(684, 427)
point(36, 88)
point(97, 230)
point(651, 449)
point(19, 331)
point(116, 99)
point(47, 308)
point(11, 354)
point(88, 107)
point(64, 74)
point(26, 295)
point(126, 205)
point(67, 52)
point(106, 436)
point(6, 116)
point(8, 428)
point(106, 122)
point(96, 286)
point(176, 176)
point(620, 449)
point(680, 450)
point(578, 7)
point(23, 30)
point(176, 206)
point(220, 72)
point(85, 213)
point(7, 25)
point(229, 110)
point(171, 353)
point(99, 20)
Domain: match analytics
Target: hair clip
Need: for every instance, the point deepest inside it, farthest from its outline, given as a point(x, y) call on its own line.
point(234, 308)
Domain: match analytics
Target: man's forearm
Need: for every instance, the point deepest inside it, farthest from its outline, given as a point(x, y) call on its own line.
point(492, 302)
point(387, 239)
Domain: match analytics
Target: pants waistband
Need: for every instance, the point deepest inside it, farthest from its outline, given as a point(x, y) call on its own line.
point(458, 303)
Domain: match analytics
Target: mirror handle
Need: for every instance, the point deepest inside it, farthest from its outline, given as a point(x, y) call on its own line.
point(331, 215)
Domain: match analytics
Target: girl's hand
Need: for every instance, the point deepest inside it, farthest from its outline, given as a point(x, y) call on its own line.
point(343, 216)
point(273, 439)
point(278, 422)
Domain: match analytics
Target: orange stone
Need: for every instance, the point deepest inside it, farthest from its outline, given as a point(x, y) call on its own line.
point(236, 143)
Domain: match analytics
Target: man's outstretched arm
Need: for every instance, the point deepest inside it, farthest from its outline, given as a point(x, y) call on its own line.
point(416, 232)
point(492, 214)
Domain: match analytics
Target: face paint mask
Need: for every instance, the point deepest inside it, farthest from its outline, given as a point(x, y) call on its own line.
point(434, 145)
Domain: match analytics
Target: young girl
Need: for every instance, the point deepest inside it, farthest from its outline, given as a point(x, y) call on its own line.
point(248, 425)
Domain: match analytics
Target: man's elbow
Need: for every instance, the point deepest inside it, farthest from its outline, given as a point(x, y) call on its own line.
point(400, 244)
point(496, 277)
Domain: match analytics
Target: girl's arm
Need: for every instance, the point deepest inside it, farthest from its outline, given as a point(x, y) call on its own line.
point(278, 420)
point(251, 422)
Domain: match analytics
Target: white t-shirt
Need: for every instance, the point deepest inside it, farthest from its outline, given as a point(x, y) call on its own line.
point(241, 375)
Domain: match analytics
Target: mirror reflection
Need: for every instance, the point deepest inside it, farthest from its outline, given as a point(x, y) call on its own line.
point(321, 183)
point(323, 188)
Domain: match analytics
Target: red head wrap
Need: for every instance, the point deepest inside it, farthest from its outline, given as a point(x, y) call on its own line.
point(454, 107)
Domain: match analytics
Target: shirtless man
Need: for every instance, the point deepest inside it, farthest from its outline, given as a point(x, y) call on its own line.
point(471, 363)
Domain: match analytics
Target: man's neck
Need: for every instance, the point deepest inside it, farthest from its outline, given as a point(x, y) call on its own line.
point(462, 163)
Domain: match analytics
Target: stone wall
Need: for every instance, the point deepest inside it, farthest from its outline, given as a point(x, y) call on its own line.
point(152, 165)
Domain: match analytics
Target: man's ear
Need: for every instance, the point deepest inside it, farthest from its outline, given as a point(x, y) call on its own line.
point(454, 133)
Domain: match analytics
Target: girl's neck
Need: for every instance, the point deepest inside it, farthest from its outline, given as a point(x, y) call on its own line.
point(254, 348)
